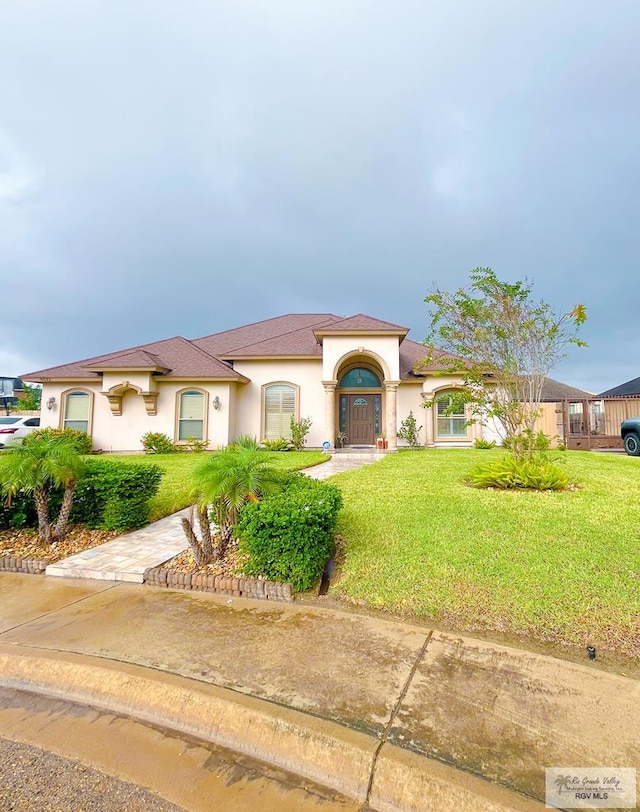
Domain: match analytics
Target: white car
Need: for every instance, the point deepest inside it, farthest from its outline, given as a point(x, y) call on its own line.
point(14, 428)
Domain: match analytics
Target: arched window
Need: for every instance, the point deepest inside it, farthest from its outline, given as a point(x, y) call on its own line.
point(279, 407)
point(77, 411)
point(191, 411)
point(359, 378)
point(451, 418)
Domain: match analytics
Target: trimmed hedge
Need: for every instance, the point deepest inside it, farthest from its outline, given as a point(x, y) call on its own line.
point(78, 440)
point(111, 495)
point(114, 495)
point(289, 535)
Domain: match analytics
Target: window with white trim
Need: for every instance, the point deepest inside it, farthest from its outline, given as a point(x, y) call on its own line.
point(191, 416)
point(76, 411)
point(451, 421)
point(279, 408)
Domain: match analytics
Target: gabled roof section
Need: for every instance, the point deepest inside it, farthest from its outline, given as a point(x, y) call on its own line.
point(413, 360)
point(360, 324)
point(412, 354)
point(134, 360)
point(284, 335)
point(180, 357)
point(625, 390)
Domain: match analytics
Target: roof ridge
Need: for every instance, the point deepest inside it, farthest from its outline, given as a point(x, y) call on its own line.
point(374, 318)
point(262, 321)
point(104, 356)
point(279, 335)
point(208, 354)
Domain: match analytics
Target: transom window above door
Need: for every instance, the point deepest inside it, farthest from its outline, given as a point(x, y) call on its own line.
point(360, 378)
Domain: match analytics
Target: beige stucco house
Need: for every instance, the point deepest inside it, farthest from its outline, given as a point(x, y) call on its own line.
point(352, 375)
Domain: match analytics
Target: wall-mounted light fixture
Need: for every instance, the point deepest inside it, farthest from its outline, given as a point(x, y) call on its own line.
point(216, 403)
point(51, 402)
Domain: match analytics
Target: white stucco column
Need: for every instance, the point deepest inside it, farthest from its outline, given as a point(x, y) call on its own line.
point(428, 424)
point(330, 429)
point(391, 388)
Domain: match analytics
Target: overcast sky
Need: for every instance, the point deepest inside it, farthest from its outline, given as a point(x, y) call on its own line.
point(181, 168)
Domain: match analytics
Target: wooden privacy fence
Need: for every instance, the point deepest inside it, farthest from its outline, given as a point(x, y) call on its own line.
point(595, 423)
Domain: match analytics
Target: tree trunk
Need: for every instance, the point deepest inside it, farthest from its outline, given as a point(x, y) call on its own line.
point(42, 508)
point(63, 516)
point(205, 528)
point(226, 531)
point(193, 540)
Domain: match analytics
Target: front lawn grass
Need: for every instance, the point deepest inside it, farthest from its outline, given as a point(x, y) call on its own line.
point(561, 567)
point(176, 484)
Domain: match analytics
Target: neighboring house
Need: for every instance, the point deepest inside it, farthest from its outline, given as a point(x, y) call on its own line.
point(353, 375)
point(630, 389)
point(11, 390)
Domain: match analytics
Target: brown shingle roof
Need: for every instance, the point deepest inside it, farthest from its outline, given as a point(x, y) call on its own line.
point(136, 359)
point(181, 357)
point(283, 335)
point(554, 391)
point(361, 323)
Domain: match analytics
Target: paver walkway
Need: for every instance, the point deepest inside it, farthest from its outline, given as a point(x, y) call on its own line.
point(126, 558)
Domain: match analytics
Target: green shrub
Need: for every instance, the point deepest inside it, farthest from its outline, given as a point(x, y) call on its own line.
point(409, 430)
point(114, 495)
point(195, 445)
point(539, 474)
point(247, 441)
point(154, 442)
point(484, 444)
point(299, 431)
point(78, 440)
point(535, 441)
point(289, 535)
point(281, 444)
point(18, 513)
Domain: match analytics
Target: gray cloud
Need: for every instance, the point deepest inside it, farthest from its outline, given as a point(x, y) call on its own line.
point(184, 169)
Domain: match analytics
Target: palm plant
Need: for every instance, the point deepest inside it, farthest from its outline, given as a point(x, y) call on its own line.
point(38, 466)
point(223, 484)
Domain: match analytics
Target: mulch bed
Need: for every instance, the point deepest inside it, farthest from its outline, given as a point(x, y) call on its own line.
point(24, 543)
point(230, 564)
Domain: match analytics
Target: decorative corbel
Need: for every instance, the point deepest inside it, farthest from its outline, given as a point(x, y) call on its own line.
point(115, 403)
point(150, 402)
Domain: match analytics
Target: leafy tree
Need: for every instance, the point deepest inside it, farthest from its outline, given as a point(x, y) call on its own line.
point(31, 399)
point(223, 485)
point(38, 467)
point(503, 343)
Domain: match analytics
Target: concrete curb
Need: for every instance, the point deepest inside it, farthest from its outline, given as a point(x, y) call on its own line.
point(314, 748)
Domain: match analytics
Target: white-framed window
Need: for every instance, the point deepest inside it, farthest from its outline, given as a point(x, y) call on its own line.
point(191, 413)
point(77, 411)
point(450, 424)
point(279, 406)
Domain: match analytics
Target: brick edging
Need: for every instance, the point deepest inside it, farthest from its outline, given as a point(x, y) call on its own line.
point(32, 566)
point(239, 587)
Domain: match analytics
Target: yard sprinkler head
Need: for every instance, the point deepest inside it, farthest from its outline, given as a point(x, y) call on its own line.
point(591, 652)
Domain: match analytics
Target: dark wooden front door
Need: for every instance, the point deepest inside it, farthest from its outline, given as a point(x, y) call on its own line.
point(360, 419)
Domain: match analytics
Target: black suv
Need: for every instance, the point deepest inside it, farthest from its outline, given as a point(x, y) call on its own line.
point(630, 431)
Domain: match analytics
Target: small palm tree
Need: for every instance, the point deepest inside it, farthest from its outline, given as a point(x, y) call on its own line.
point(223, 484)
point(38, 466)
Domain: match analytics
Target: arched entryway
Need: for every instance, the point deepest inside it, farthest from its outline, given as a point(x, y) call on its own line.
point(360, 393)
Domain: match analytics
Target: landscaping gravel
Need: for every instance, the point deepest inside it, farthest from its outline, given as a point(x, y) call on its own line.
point(34, 780)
